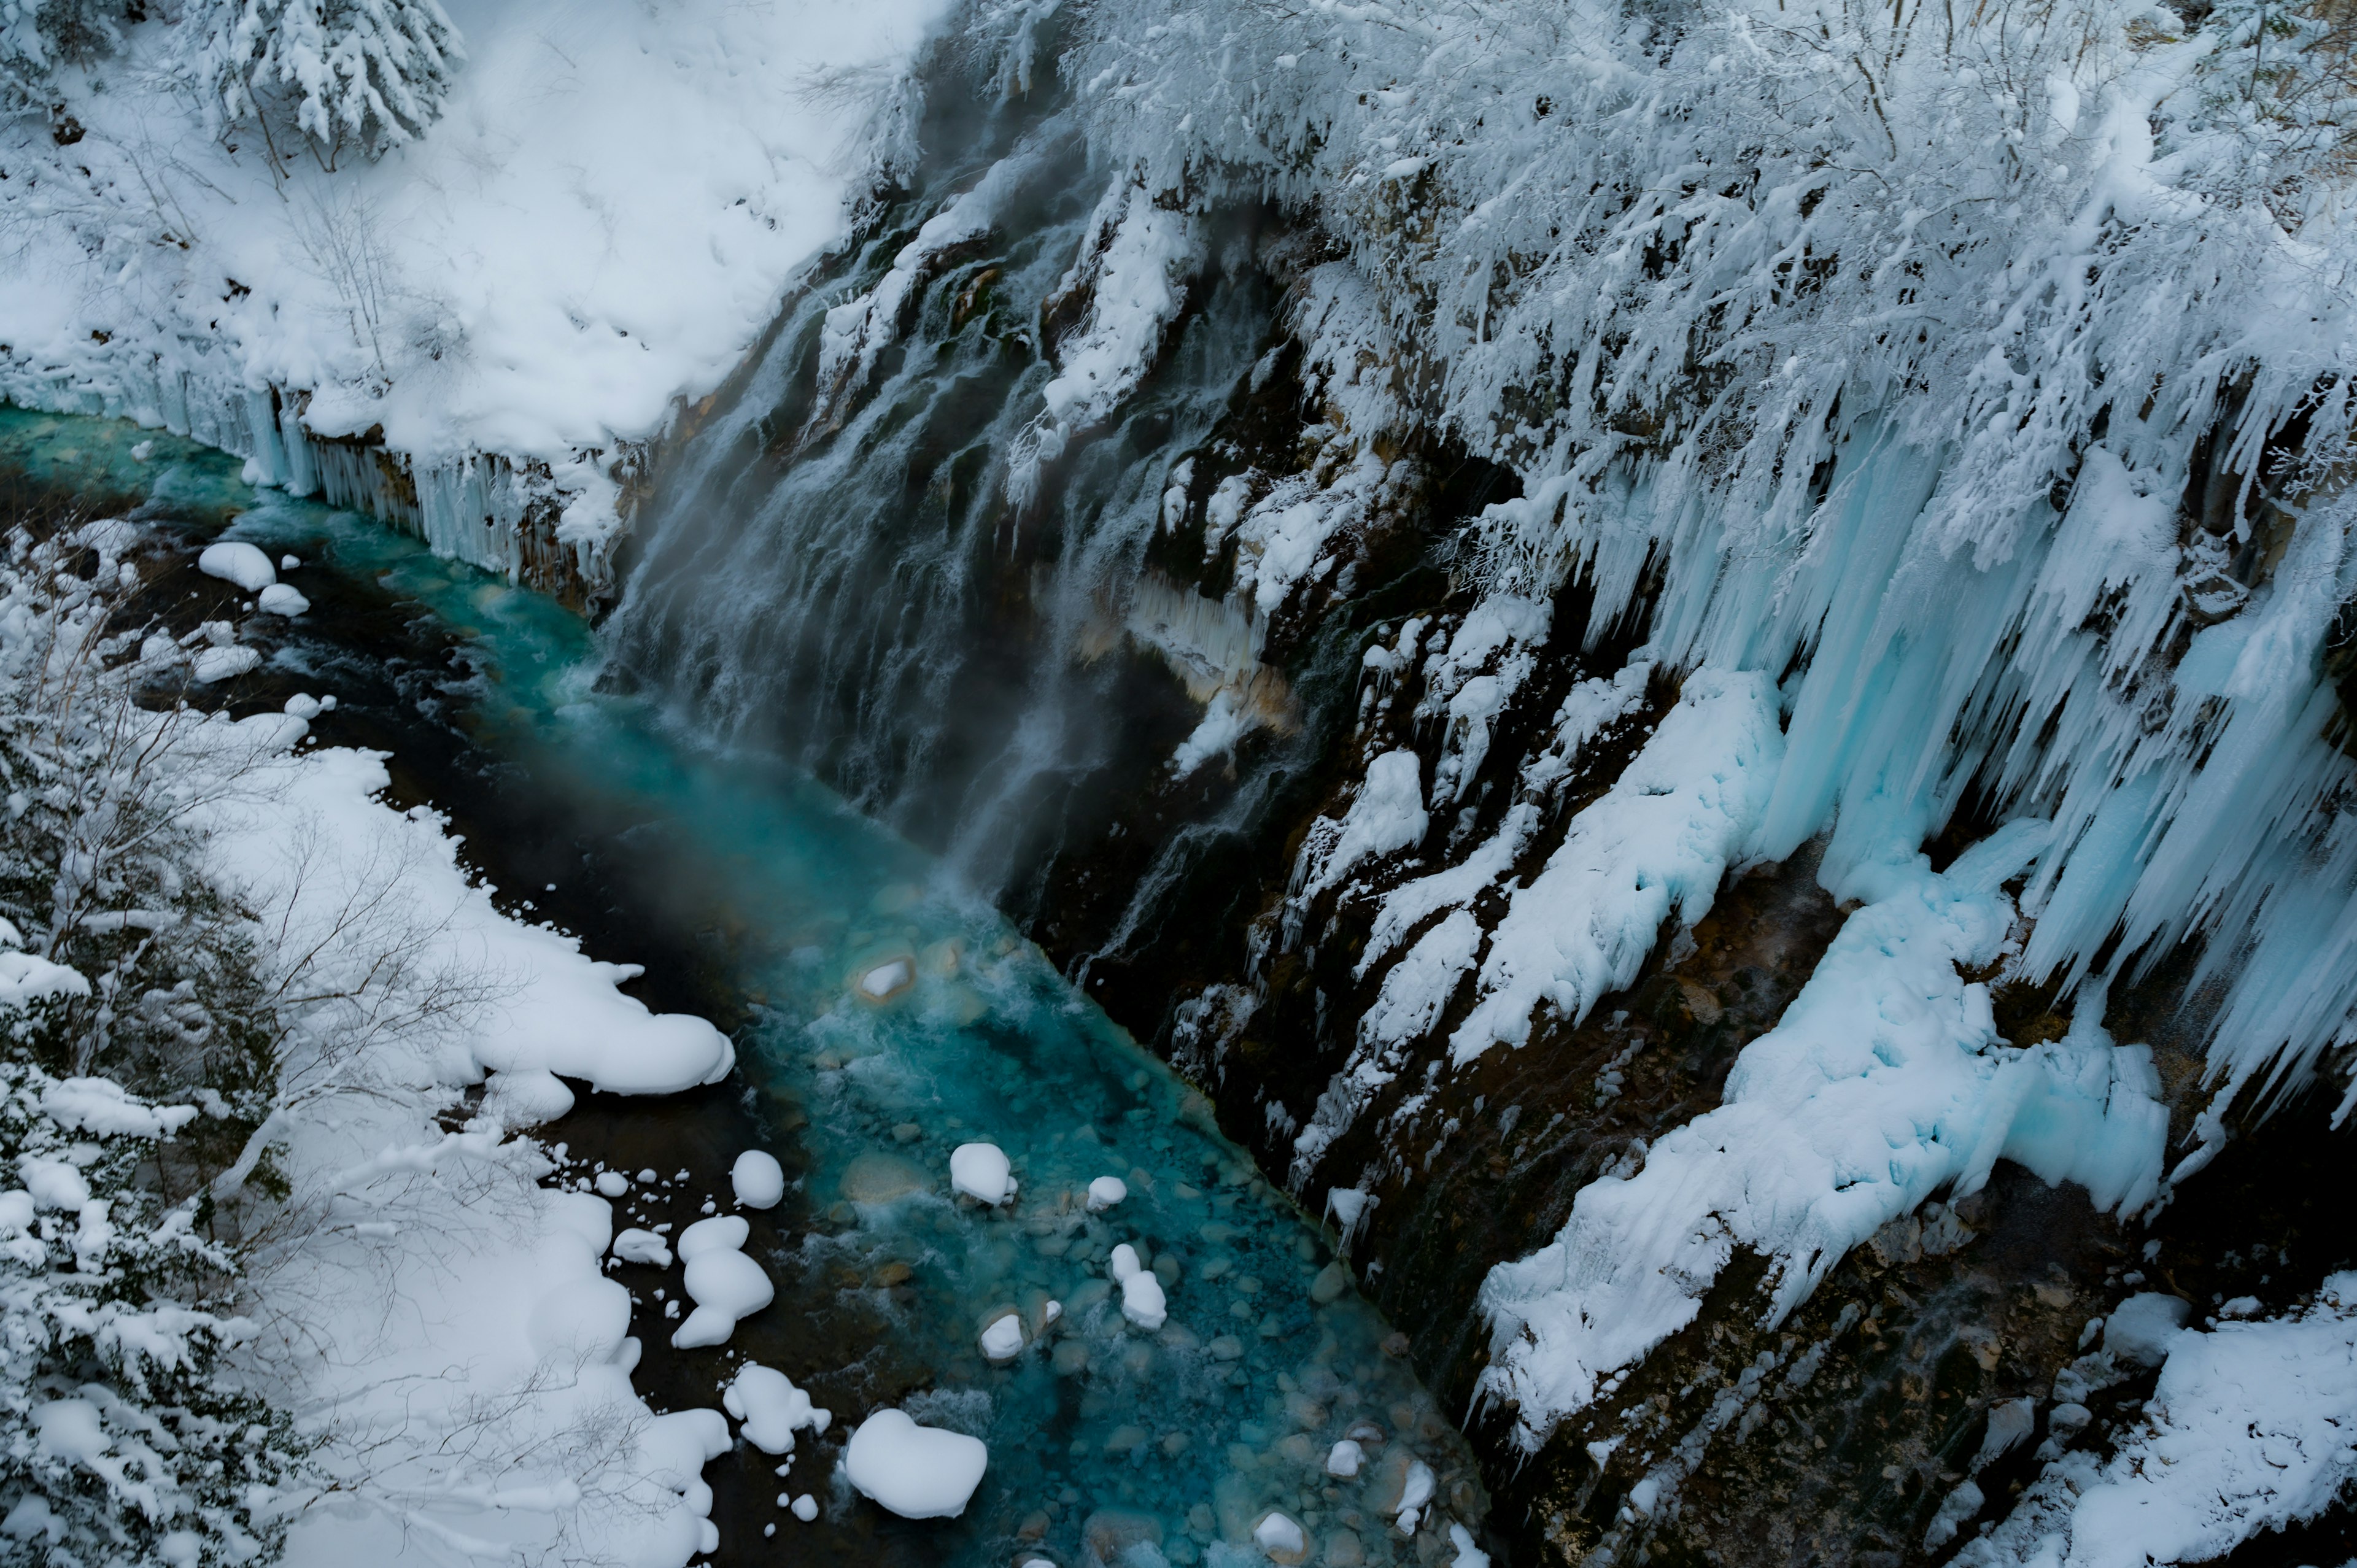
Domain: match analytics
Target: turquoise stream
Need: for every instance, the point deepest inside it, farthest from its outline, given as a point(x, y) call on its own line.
point(1106, 1442)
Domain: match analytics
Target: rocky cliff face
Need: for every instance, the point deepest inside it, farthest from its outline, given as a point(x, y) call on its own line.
point(1766, 877)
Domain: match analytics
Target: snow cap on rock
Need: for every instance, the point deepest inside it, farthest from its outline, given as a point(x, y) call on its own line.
point(1142, 1301)
point(916, 1472)
point(981, 1172)
point(759, 1180)
point(234, 561)
point(771, 1408)
point(1106, 1191)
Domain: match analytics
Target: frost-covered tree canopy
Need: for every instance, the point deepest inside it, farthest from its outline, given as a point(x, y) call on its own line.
point(350, 75)
point(1985, 371)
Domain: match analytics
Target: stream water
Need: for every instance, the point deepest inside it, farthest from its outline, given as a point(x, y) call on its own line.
point(1107, 1443)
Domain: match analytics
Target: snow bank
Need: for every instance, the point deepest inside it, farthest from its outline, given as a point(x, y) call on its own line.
point(1883, 1083)
point(601, 222)
point(555, 1010)
point(2252, 1427)
point(501, 1338)
point(726, 1285)
point(916, 1472)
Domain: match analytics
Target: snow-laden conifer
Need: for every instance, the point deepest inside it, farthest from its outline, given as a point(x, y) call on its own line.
point(346, 76)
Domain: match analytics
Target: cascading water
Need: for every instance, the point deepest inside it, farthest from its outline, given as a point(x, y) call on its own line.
point(834, 572)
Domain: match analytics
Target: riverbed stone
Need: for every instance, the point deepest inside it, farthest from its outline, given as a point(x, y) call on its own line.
point(874, 1178)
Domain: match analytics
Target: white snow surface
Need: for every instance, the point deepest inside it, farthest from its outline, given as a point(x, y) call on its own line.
point(499, 1294)
point(726, 1285)
point(557, 1010)
point(758, 1180)
point(2252, 1427)
point(1385, 816)
point(1105, 1192)
point(1653, 847)
point(1142, 1299)
point(981, 1172)
point(1991, 593)
point(771, 1408)
point(603, 219)
point(1883, 1083)
point(235, 561)
point(916, 1472)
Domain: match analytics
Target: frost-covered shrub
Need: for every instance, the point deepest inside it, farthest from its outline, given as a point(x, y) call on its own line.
point(346, 76)
point(38, 36)
point(138, 1051)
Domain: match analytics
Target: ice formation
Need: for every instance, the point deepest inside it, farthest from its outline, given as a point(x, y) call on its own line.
point(1883, 1084)
point(2252, 1428)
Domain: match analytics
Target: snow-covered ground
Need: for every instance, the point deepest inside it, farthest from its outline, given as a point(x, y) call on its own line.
point(601, 222)
point(450, 1319)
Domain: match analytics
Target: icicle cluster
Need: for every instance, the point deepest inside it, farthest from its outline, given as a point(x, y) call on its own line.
point(1983, 377)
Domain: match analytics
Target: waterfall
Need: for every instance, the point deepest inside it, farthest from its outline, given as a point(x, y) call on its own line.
point(900, 551)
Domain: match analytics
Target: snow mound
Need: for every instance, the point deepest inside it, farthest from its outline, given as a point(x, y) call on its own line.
point(1142, 1301)
point(916, 1472)
point(215, 664)
point(722, 1233)
point(771, 1408)
point(281, 599)
point(234, 561)
point(981, 1172)
point(1105, 1192)
point(2141, 1327)
point(1281, 1537)
point(757, 1179)
point(727, 1287)
point(1001, 1339)
point(636, 1246)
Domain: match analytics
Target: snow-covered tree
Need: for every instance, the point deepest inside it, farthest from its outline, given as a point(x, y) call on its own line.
point(139, 1045)
point(38, 36)
point(344, 76)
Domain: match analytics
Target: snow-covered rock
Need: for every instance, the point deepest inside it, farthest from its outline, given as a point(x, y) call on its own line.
point(982, 1172)
point(234, 561)
point(916, 1472)
point(771, 1408)
point(1106, 1191)
point(1141, 1300)
point(758, 1180)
